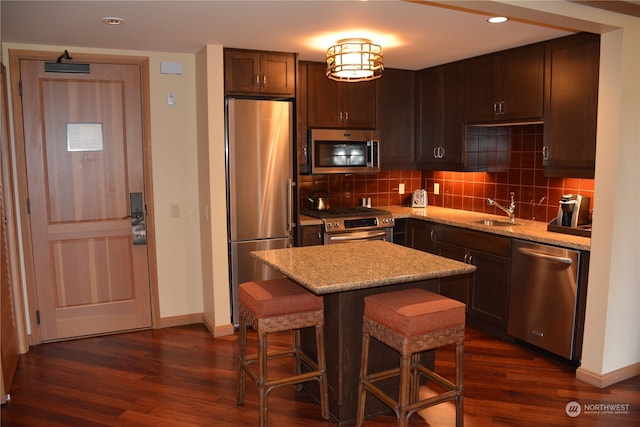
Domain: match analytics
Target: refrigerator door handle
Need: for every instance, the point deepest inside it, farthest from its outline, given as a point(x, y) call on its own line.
point(290, 204)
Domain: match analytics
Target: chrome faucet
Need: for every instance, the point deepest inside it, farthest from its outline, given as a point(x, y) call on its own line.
point(510, 211)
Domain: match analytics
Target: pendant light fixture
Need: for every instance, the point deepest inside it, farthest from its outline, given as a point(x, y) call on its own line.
point(354, 60)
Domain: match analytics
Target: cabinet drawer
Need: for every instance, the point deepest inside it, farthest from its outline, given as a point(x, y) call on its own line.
point(475, 240)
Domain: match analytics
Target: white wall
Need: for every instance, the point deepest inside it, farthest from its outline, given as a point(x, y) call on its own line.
point(175, 181)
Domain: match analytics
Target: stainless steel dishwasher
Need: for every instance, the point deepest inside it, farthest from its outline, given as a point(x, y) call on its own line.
point(543, 296)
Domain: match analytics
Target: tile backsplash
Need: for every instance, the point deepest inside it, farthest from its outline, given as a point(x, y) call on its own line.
point(346, 190)
point(536, 196)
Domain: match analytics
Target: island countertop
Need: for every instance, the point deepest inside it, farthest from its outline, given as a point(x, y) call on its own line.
point(325, 269)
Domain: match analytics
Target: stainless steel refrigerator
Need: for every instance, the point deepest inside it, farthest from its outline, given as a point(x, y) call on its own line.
point(259, 138)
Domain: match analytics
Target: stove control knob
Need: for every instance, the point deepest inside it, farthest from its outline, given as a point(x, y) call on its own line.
point(336, 225)
point(328, 225)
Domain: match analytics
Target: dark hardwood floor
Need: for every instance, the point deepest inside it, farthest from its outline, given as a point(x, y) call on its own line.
point(183, 377)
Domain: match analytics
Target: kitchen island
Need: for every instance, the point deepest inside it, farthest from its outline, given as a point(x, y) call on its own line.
point(344, 274)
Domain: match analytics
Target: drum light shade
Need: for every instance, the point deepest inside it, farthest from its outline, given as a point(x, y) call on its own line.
point(354, 60)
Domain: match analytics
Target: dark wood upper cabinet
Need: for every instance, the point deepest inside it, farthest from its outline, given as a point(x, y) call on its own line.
point(505, 86)
point(395, 117)
point(439, 115)
point(571, 106)
point(249, 72)
point(343, 105)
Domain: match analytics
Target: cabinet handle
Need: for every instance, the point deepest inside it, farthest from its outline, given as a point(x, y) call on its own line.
point(346, 116)
point(435, 152)
point(257, 79)
point(432, 235)
point(502, 107)
point(340, 115)
point(545, 152)
point(471, 259)
point(442, 152)
point(264, 79)
point(495, 108)
point(466, 258)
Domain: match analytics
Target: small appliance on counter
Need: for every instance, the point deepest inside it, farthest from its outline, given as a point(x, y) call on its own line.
point(573, 216)
point(419, 199)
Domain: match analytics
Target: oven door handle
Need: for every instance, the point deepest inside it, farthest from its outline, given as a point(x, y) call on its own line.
point(352, 237)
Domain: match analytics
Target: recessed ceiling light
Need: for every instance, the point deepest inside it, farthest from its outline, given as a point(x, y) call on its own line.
point(498, 19)
point(112, 20)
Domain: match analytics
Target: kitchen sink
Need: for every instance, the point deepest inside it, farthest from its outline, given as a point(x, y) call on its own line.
point(496, 223)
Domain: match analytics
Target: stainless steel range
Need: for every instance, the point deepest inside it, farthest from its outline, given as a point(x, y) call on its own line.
point(342, 225)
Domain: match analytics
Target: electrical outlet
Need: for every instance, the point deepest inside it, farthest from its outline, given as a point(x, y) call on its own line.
point(436, 188)
point(401, 188)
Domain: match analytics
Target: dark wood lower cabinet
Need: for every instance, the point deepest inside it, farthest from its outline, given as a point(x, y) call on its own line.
point(487, 293)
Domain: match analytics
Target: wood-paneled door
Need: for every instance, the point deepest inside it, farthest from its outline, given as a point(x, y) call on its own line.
point(10, 342)
point(83, 136)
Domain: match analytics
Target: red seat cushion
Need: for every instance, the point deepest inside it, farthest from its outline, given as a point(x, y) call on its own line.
point(414, 312)
point(277, 297)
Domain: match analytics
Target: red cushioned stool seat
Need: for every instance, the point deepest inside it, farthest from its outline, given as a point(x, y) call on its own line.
point(279, 305)
point(412, 321)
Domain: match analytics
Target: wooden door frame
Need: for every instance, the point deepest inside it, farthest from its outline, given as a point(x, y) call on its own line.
point(15, 56)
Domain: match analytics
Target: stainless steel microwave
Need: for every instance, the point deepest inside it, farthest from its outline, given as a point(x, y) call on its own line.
point(343, 151)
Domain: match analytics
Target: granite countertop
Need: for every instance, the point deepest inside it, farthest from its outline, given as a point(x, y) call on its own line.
point(535, 231)
point(325, 269)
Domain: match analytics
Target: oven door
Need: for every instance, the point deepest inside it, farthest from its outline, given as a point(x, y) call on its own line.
point(359, 236)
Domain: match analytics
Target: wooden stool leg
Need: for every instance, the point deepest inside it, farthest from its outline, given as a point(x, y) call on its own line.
point(460, 383)
point(322, 367)
point(414, 388)
point(295, 339)
point(262, 377)
point(364, 360)
point(241, 360)
point(404, 389)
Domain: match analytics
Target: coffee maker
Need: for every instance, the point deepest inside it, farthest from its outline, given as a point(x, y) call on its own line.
point(573, 211)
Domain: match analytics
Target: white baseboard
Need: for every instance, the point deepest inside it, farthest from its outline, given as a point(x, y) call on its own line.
point(187, 319)
point(217, 330)
point(605, 380)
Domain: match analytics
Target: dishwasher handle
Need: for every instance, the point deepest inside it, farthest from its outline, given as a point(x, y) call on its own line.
point(540, 255)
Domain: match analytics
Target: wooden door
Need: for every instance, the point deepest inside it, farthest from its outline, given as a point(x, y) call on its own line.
point(84, 158)
point(10, 347)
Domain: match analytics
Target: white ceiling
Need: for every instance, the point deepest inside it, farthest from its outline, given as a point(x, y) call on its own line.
point(413, 34)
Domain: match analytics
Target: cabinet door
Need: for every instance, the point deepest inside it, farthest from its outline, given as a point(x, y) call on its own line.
point(278, 73)
point(482, 89)
point(343, 105)
point(395, 112)
point(241, 71)
point(489, 299)
point(323, 102)
point(455, 287)
point(440, 128)
point(505, 86)
point(571, 106)
point(311, 235)
point(522, 82)
point(400, 232)
point(422, 236)
point(358, 100)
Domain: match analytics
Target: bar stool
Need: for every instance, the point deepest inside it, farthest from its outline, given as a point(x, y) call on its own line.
point(273, 306)
point(411, 321)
